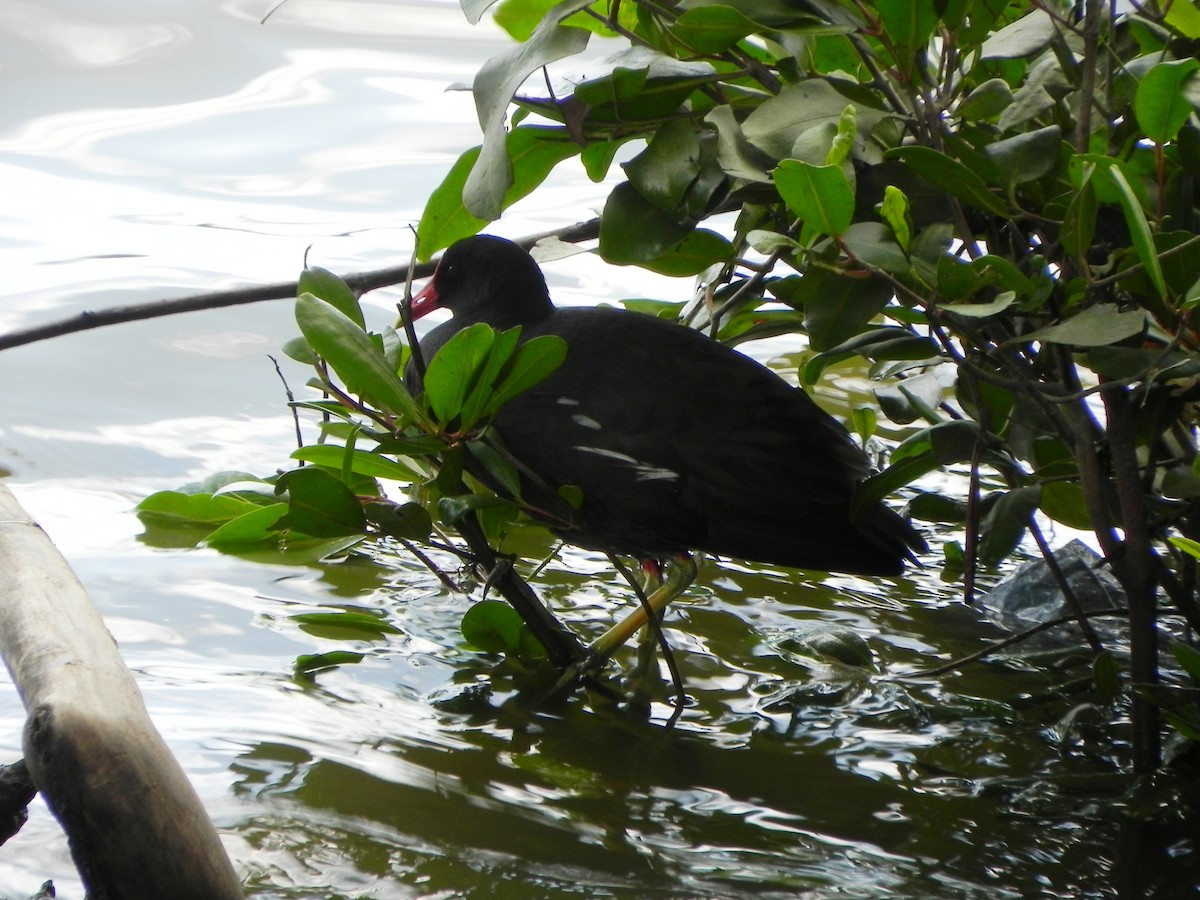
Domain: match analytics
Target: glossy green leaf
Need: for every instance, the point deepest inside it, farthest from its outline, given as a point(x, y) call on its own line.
point(775, 124)
point(1006, 524)
point(1026, 156)
point(986, 101)
point(345, 625)
point(1139, 228)
point(533, 152)
point(1188, 546)
point(998, 304)
point(1188, 657)
point(820, 195)
point(1095, 326)
point(174, 507)
point(691, 256)
point(452, 373)
point(838, 308)
point(1159, 104)
point(451, 509)
point(736, 155)
point(407, 521)
point(330, 288)
point(894, 211)
point(663, 171)
point(1079, 223)
point(308, 664)
point(520, 18)
point(320, 505)
point(357, 360)
point(363, 462)
point(951, 176)
point(493, 627)
point(712, 29)
point(495, 84)
point(910, 25)
point(254, 527)
point(896, 476)
point(478, 403)
point(531, 364)
point(633, 230)
point(1064, 501)
point(1022, 39)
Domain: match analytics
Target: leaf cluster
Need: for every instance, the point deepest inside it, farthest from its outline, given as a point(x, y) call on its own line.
point(993, 203)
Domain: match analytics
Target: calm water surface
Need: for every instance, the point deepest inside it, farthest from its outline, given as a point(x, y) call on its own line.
point(151, 150)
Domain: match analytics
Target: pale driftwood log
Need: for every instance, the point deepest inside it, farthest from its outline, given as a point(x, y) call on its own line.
point(134, 823)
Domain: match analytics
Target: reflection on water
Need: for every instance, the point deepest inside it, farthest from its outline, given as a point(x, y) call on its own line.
point(152, 150)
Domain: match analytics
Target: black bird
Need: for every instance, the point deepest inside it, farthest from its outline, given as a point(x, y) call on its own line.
point(677, 442)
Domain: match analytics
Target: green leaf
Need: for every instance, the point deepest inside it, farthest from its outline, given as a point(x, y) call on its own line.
point(345, 625)
point(1106, 675)
point(1027, 156)
point(1094, 326)
point(308, 664)
point(1022, 39)
point(864, 421)
point(670, 163)
point(894, 210)
point(776, 123)
point(1006, 523)
point(691, 256)
point(1159, 104)
point(909, 25)
point(493, 627)
point(737, 157)
point(820, 195)
point(451, 509)
point(1064, 501)
point(1139, 228)
point(407, 521)
point(478, 403)
point(174, 507)
point(521, 17)
point(950, 175)
point(256, 527)
point(1001, 302)
point(320, 505)
point(1188, 657)
point(634, 231)
point(354, 356)
point(712, 29)
point(534, 361)
point(533, 152)
point(453, 371)
point(838, 308)
point(495, 84)
point(986, 101)
point(324, 284)
point(363, 462)
point(896, 476)
point(1079, 223)
point(474, 9)
point(1187, 545)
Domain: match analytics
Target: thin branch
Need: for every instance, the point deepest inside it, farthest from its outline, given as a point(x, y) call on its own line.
point(360, 283)
point(995, 646)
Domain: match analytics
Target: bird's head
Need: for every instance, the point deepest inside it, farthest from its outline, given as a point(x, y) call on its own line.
point(486, 279)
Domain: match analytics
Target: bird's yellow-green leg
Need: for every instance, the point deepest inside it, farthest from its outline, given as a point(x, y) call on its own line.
point(680, 575)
